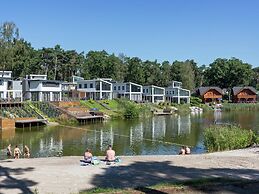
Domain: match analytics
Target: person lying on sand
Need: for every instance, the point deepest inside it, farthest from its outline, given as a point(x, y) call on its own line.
point(88, 155)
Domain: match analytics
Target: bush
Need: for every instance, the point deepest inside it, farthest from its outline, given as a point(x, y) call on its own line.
point(130, 111)
point(219, 138)
point(195, 101)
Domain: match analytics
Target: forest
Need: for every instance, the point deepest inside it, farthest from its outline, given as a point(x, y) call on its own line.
point(18, 55)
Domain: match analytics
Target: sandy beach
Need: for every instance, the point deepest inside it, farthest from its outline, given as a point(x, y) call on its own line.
point(65, 175)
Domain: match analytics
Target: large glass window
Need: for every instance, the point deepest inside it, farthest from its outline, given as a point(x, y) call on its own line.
point(135, 88)
point(106, 86)
point(50, 84)
point(158, 91)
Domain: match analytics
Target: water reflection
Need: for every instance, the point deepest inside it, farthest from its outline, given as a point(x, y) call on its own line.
point(156, 135)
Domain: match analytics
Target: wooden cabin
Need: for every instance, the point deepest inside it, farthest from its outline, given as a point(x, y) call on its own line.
point(243, 94)
point(210, 94)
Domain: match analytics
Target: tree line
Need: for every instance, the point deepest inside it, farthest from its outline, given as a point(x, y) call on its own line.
point(17, 55)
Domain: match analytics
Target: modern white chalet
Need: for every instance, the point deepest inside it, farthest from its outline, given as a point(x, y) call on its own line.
point(38, 88)
point(9, 89)
point(176, 94)
point(153, 94)
point(96, 89)
point(129, 90)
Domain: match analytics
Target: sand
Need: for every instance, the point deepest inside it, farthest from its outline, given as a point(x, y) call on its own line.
point(65, 175)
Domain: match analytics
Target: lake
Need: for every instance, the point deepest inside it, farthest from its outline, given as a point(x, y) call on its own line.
point(155, 135)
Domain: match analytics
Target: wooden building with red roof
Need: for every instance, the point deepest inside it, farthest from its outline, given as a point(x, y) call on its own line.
point(210, 94)
point(243, 94)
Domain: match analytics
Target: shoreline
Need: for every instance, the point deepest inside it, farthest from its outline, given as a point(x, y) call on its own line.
point(65, 175)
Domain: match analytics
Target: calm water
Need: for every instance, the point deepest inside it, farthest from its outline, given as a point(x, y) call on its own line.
point(156, 135)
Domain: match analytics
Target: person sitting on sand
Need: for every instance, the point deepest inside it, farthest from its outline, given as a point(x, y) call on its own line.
point(26, 152)
point(187, 150)
point(88, 155)
point(9, 151)
point(17, 152)
point(110, 154)
point(182, 151)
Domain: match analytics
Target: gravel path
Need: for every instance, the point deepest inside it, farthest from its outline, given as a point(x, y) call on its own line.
point(65, 175)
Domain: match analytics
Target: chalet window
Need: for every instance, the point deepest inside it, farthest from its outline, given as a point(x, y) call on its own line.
point(170, 92)
point(114, 88)
point(91, 85)
point(85, 85)
point(119, 88)
point(123, 87)
point(147, 90)
point(50, 84)
point(166, 92)
point(80, 86)
point(1, 82)
point(173, 92)
point(143, 90)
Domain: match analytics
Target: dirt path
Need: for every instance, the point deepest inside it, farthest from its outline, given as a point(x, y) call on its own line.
point(65, 175)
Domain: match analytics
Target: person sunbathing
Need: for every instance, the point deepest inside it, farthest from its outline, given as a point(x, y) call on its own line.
point(182, 151)
point(110, 154)
point(9, 151)
point(26, 152)
point(88, 155)
point(17, 152)
point(187, 150)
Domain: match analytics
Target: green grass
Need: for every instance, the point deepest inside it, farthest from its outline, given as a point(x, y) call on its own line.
point(240, 107)
point(227, 137)
point(183, 186)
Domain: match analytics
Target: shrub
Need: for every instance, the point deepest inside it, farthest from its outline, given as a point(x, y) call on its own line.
point(130, 111)
point(195, 101)
point(227, 137)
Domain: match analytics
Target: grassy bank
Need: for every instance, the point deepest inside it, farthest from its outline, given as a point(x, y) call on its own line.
point(228, 137)
point(193, 186)
point(240, 107)
point(119, 108)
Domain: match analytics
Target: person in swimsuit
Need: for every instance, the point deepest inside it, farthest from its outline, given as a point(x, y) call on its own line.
point(26, 152)
point(17, 152)
point(187, 150)
point(9, 151)
point(182, 151)
point(110, 154)
point(88, 155)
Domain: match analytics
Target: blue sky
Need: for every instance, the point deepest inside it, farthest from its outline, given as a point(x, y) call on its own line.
point(202, 30)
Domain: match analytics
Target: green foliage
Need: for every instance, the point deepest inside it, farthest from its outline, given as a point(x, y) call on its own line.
point(195, 101)
point(240, 107)
point(227, 73)
point(220, 138)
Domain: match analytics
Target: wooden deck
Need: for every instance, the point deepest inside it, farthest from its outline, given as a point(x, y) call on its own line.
point(22, 123)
